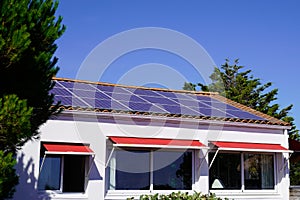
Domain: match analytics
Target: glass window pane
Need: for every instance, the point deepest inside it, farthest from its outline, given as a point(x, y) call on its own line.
point(172, 170)
point(74, 172)
point(259, 171)
point(49, 178)
point(225, 173)
point(132, 170)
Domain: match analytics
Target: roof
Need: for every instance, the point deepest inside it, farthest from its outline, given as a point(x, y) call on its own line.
point(135, 100)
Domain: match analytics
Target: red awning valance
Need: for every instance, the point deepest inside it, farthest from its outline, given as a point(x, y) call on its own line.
point(243, 146)
point(67, 148)
point(156, 143)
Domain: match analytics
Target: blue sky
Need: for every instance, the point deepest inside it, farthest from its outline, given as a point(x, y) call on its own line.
point(264, 35)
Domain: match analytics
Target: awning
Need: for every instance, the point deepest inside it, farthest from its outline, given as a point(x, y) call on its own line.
point(243, 146)
point(67, 148)
point(156, 143)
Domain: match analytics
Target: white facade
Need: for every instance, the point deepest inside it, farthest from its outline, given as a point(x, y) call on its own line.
point(95, 129)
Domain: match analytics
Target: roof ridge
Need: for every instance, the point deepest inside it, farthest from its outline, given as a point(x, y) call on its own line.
point(135, 87)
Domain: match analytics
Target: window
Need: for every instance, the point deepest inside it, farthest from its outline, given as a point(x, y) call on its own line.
point(63, 167)
point(65, 173)
point(225, 172)
point(259, 171)
point(228, 169)
point(150, 170)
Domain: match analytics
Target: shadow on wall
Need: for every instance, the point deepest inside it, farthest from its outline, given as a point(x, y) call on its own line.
point(27, 181)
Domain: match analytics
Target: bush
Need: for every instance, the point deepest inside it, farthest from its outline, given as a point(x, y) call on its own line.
point(295, 173)
point(179, 196)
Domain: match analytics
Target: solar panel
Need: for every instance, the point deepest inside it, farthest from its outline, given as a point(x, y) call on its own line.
point(132, 99)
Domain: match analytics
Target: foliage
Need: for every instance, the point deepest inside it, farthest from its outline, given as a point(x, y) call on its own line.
point(8, 178)
point(179, 196)
point(15, 124)
point(28, 31)
point(295, 172)
point(242, 87)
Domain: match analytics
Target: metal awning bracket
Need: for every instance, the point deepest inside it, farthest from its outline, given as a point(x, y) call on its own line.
point(212, 161)
point(109, 157)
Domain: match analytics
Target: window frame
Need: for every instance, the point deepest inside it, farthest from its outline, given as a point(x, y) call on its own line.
point(151, 167)
point(243, 190)
point(87, 164)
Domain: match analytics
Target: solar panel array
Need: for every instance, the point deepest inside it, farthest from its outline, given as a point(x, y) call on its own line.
point(87, 95)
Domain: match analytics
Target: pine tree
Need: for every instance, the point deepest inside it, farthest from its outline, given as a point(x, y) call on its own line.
point(28, 30)
point(240, 86)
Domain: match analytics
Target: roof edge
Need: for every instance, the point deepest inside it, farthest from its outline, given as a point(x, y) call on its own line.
point(134, 87)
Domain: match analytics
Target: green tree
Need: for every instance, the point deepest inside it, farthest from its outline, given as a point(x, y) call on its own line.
point(8, 177)
point(29, 29)
point(14, 126)
point(240, 86)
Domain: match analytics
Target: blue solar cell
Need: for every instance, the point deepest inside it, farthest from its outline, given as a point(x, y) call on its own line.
point(60, 91)
point(159, 100)
point(244, 115)
point(108, 104)
point(64, 100)
point(182, 96)
point(172, 109)
point(101, 103)
point(111, 89)
point(105, 88)
point(84, 93)
point(128, 98)
point(145, 107)
point(205, 98)
point(212, 112)
point(65, 84)
point(83, 86)
point(140, 106)
point(189, 103)
point(189, 111)
point(78, 102)
point(229, 107)
point(135, 98)
point(145, 93)
point(100, 95)
point(167, 94)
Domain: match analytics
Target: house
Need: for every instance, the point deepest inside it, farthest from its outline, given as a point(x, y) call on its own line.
point(114, 141)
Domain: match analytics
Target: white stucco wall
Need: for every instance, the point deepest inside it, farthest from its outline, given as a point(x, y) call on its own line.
point(95, 133)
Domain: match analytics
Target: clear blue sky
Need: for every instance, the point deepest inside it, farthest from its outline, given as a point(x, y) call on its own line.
point(263, 34)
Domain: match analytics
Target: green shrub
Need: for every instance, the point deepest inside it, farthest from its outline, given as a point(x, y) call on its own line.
point(179, 196)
